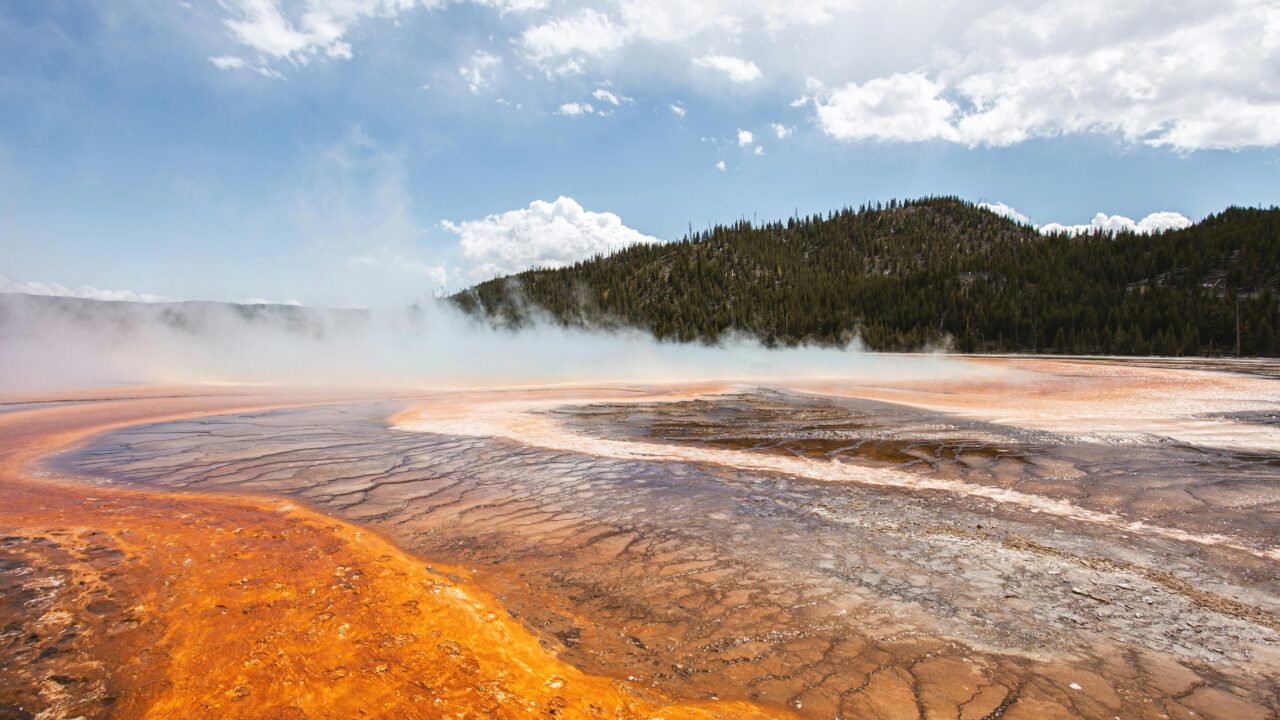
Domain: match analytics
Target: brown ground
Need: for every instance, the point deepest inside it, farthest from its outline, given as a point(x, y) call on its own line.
point(920, 550)
point(126, 603)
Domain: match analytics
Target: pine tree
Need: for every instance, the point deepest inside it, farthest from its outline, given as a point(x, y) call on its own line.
point(1060, 341)
point(908, 273)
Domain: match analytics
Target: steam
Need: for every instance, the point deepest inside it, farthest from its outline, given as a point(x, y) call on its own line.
point(49, 343)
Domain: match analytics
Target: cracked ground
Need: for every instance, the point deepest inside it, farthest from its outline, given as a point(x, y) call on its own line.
point(982, 570)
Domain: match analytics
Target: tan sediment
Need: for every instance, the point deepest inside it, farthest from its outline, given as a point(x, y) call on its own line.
point(164, 605)
point(1094, 400)
point(518, 416)
point(1171, 582)
point(709, 608)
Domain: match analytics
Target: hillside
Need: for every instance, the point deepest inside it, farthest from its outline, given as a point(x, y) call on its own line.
point(937, 271)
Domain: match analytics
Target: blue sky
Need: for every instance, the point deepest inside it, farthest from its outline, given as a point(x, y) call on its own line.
point(367, 152)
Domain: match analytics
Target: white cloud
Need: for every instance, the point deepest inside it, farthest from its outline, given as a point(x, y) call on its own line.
point(545, 234)
point(513, 6)
point(1007, 212)
point(745, 138)
point(265, 301)
point(587, 32)
point(479, 73)
point(1102, 222)
point(1161, 221)
point(314, 28)
point(269, 72)
point(1182, 74)
point(721, 166)
point(87, 292)
point(1185, 74)
point(228, 62)
point(758, 151)
point(308, 29)
point(574, 109)
point(902, 108)
point(1195, 75)
point(572, 66)
point(609, 26)
point(610, 97)
point(1153, 223)
point(782, 131)
point(737, 69)
point(678, 109)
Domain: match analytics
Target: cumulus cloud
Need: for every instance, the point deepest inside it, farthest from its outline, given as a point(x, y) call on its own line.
point(678, 109)
point(782, 131)
point(745, 138)
point(1196, 75)
point(545, 234)
point(1153, 223)
point(900, 108)
point(479, 72)
point(575, 109)
point(87, 292)
point(721, 166)
point(1193, 76)
point(736, 69)
point(1007, 212)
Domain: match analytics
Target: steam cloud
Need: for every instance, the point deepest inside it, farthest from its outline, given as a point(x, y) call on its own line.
point(51, 343)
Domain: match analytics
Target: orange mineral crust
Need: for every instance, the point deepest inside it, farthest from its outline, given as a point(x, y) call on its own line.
point(158, 605)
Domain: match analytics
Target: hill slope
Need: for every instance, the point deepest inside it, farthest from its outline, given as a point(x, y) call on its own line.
point(910, 274)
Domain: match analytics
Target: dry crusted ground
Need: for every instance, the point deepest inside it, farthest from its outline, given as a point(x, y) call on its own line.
point(889, 554)
point(125, 603)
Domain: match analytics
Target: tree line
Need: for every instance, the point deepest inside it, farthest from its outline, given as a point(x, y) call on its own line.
point(934, 272)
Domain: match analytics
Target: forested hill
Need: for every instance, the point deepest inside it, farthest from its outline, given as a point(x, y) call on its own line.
point(930, 272)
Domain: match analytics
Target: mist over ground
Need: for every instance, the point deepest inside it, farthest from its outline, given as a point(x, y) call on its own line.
point(53, 343)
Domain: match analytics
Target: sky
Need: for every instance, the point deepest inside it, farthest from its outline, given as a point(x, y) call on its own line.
point(374, 152)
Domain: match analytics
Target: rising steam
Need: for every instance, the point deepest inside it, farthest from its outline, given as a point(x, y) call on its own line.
point(56, 343)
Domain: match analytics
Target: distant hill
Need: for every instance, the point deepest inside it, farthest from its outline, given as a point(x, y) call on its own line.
point(930, 272)
point(20, 312)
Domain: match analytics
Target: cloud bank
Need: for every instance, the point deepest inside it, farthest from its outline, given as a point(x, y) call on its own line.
point(1189, 77)
point(1154, 223)
point(1183, 74)
point(1102, 222)
point(86, 292)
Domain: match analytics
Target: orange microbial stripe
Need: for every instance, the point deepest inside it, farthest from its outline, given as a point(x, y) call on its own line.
point(178, 605)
